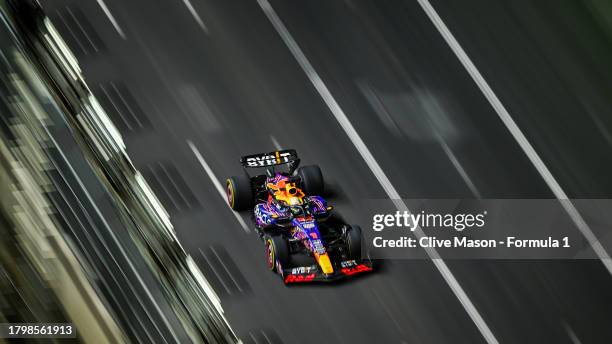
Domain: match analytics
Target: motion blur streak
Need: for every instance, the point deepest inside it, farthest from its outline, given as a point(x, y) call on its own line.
point(518, 135)
point(374, 166)
point(195, 15)
point(111, 18)
point(458, 167)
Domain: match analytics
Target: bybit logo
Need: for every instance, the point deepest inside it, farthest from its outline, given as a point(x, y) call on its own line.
point(268, 159)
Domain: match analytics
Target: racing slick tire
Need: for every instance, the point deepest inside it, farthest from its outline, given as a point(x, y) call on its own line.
point(277, 249)
point(353, 242)
point(312, 179)
point(239, 193)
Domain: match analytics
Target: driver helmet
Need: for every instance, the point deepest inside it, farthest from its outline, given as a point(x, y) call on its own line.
point(291, 189)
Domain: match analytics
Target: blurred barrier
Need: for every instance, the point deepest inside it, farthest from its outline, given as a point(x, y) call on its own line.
point(41, 280)
point(189, 294)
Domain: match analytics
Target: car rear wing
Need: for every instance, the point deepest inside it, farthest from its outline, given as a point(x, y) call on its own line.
point(287, 156)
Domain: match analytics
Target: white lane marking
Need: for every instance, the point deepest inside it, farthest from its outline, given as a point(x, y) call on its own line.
point(341, 117)
point(275, 143)
point(216, 183)
point(518, 135)
point(111, 18)
point(195, 15)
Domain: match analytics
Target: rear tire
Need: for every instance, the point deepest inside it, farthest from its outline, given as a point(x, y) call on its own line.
point(353, 242)
point(239, 193)
point(312, 180)
point(277, 249)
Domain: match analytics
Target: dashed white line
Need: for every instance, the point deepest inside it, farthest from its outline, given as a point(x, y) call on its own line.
point(111, 18)
point(195, 15)
point(216, 183)
point(518, 135)
point(384, 181)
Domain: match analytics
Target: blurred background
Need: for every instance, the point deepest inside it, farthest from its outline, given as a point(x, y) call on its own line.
point(121, 119)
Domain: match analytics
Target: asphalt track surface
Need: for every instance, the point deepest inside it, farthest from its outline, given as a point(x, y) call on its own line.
point(218, 74)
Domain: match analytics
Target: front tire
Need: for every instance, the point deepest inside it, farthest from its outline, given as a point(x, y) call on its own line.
point(239, 193)
point(353, 242)
point(312, 180)
point(277, 249)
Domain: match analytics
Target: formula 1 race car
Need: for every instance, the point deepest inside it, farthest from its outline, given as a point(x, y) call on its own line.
point(304, 241)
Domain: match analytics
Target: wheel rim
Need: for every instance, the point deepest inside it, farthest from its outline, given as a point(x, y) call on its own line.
point(229, 190)
point(270, 254)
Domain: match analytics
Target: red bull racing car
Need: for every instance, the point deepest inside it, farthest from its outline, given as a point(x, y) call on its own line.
point(304, 241)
